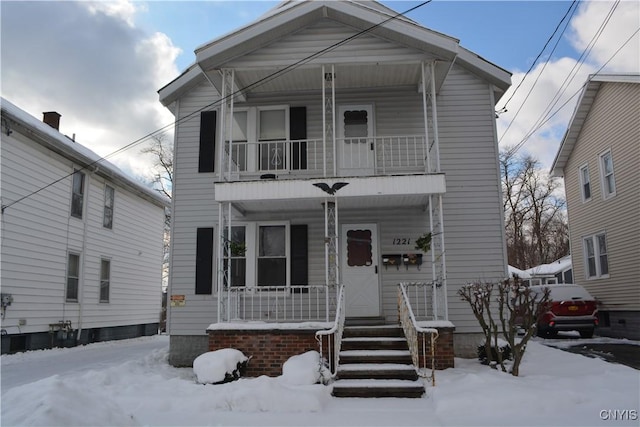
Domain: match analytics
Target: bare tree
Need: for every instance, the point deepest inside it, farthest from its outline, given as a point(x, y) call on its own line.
point(535, 221)
point(162, 151)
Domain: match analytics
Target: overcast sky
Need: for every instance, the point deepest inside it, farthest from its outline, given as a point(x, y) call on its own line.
point(100, 64)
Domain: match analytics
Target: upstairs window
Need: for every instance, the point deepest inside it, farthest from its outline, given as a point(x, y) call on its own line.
point(107, 219)
point(596, 256)
point(585, 183)
point(607, 175)
point(77, 195)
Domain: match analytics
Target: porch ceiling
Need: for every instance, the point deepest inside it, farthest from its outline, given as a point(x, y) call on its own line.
point(308, 78)
point(292, 195)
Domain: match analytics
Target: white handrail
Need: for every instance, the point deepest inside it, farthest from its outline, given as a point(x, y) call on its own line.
point(413, 332)
point(336, 330)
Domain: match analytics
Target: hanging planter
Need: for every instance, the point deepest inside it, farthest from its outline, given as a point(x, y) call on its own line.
point(424, 242)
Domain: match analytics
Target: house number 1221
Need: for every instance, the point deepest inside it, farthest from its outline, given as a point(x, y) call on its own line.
point(401, 241)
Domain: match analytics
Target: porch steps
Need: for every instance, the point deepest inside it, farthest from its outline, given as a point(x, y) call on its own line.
point(375, 362)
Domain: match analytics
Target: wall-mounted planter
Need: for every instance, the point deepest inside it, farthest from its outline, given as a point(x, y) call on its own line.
point(392, 260)
point(412, 260)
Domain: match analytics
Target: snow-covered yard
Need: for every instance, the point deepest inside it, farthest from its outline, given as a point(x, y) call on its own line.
point(555, 388)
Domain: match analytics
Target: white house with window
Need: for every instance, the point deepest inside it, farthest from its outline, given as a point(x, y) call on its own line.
point(314, 148)
point(81, 256)
point(600, 161)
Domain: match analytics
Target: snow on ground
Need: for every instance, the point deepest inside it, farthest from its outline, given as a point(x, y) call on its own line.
point(555, 388)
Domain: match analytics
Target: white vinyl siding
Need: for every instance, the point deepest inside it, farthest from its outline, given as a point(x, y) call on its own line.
point(611, 124)
point(37, 235)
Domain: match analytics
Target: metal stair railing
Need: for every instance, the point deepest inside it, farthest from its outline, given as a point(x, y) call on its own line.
point(333, 346)
point(417, 336)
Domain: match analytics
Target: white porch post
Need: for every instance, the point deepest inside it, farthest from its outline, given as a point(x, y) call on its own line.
point(425, 115)
point(226, 120)
point(328, 116)
point(331, 247)
point(436, 218)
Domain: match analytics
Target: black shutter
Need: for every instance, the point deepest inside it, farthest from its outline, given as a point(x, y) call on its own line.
point(298, 131)
point(207, 141)
point(299, 255)
point(204, 261)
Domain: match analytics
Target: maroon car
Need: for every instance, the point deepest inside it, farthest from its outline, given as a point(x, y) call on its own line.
point(572, 309)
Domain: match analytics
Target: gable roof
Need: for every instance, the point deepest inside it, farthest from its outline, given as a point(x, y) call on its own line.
point(291, 16)
point(588, 95)
point(55, 141)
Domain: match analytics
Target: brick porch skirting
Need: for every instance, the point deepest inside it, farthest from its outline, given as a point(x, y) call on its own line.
point(269, 349)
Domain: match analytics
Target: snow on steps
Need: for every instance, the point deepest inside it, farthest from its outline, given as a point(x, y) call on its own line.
point(376, 362)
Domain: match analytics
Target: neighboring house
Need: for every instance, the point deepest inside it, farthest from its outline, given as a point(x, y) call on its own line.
point(521, 274)
point(81, 256)
point(599, 159)
point(313, 147)
point(559, 271)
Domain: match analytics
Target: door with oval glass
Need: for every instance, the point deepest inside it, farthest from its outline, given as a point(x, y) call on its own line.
point(359, 269)
point(356, 146)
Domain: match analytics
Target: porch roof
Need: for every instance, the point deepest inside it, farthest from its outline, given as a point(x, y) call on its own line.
point(292, 17)
point(303, 194)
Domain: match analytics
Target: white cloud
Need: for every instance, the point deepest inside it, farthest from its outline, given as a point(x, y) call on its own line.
point(90, 63)
point(567, 76)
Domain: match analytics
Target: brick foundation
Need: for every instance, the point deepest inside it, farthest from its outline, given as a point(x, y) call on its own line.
point(268, 349)
point(444, 357)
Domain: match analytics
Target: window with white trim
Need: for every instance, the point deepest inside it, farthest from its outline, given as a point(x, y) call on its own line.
point(73, 276)
point(237, 254)
point(596, 256)
point(272, 255)
point(77, 194)
point(105, 279)
point(585, 183)
point(607, 175)
point(107, 217)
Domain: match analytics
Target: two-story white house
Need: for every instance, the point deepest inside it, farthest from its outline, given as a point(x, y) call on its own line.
point(313, 148)
point(81, 242)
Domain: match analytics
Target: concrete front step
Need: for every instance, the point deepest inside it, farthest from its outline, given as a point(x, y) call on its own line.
point(374, 343)
point(375, 356)
point(377, 371)
point(373, 331)
point(378, 388)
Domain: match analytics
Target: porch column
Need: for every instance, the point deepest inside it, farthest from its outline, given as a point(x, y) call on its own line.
point(434, 118)
point(331, 247)
point(328, 115)
point(224, 274)
point(226, 119)
point(425, 115)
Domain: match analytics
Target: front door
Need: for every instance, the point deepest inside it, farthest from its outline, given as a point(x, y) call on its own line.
point(356, 146)
point(359, 270)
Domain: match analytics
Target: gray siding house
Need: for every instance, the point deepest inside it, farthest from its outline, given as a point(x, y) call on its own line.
point(81, 252)
point(599, 159)
point(313, 148)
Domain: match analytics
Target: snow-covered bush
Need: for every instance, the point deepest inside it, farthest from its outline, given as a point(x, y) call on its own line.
point(220, 366)
point(304, 369)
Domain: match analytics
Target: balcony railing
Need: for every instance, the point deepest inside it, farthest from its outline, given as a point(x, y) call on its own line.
point(279, 303)
point(384, 155)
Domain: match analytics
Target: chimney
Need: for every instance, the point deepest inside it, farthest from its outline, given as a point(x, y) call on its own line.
point(52, 118)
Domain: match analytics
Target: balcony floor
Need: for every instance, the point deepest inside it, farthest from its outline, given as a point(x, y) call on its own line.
point(303, 194)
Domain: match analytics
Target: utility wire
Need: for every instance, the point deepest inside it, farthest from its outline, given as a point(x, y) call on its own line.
point(543, 118)
point(575, 94)
point(504, 108)
point(253, 85)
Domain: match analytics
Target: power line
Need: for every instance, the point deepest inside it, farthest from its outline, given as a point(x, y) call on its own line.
point(513, 150)
point(504, 108)
point(565, 84)
point(253, 85)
